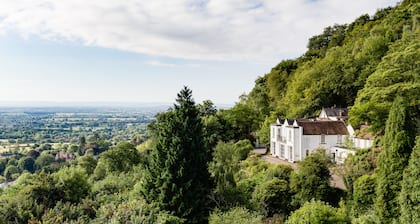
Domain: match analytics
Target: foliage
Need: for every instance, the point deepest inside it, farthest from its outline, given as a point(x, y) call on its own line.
point(273, 197)
point(316, 212)
point(44, 160)
point(357, 165)
point(368, 218)
point(176, 177)
point(68, 213)
point(224, 166)
point(243, 120)
point(235, 215)
point(258, 98)
point(243, 148)
point(88, 163)
point(264, 131)
point(364, 194)
point(311, 181)
point(73, 183)
point(207, 108)
point(114, 183)
point(134, 211)
point(10, 171)
point(3, 164)
point(397, 74)
point(27, 163)
point(398, 143)
point(409, 199)
point(121, 158)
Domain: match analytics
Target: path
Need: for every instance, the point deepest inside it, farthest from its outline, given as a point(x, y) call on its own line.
point(336, 181)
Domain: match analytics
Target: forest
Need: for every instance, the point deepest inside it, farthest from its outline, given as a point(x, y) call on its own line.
point(197, 165)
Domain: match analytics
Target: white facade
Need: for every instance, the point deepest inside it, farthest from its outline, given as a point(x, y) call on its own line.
point(294, 140)
point(289, 142)
point(359, 143)
point(339, 154)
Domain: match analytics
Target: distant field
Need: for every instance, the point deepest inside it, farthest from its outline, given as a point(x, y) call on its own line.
point(48, 125)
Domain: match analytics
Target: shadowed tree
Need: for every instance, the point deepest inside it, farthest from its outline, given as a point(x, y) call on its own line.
point(398, 143)
point(409, 196)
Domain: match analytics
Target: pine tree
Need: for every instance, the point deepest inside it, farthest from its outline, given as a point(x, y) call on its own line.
point(177, 178)
point(409, 196)
point(398, 141)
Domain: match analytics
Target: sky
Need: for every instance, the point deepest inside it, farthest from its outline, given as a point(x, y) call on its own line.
point(146, 51)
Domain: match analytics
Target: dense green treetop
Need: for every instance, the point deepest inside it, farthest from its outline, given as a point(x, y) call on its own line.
point(317, 212)
point(177, 178)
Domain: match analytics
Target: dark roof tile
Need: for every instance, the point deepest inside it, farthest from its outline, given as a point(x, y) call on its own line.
point(323, 127)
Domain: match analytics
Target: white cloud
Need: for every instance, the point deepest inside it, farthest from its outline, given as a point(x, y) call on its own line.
point(263, 30)
point(159, 63)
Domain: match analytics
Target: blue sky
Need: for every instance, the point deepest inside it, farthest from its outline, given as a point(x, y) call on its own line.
point(145, 51)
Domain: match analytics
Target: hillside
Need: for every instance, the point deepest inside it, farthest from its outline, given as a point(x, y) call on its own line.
point(362, 65)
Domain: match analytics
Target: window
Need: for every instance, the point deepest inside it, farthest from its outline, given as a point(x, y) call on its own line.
point(282, 151)
point(290, 154)
point(307, 152)
point(338, 139)
point(322, 139)
point(290, 135)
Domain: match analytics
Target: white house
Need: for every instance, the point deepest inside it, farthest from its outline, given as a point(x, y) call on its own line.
point(362, 139)
point(334, 114)
point(293, 140)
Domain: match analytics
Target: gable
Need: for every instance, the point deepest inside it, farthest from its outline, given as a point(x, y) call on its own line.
point(336, 112)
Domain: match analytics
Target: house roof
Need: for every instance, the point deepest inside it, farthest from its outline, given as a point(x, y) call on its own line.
point(318, 127)
point(336, 112)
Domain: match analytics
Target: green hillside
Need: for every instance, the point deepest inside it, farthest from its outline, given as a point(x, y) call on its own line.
point(362, 65)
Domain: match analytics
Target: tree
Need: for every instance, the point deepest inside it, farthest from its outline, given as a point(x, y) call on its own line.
point(207, 108)
point(273, 197)
point(43, 160)
point(3, 165)
point(258, 97)
point(235, 215)
point(311, 181)
point(73, 183)
point(243, 148)
point(410, 188)
point(176, 177)
point(88, 163)
point(243, 119)
point(357, 165)
point(27, 163)
point(364, 194)
point(9, 171)
point(224, 166)
point(264, 132)
point(121, 158)
point(316, 212)
point(396, 75)
point(397, 146)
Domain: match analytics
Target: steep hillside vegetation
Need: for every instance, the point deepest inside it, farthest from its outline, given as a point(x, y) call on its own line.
point(362, 65)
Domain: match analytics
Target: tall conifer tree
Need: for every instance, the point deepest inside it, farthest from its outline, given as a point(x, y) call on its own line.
point(177, 178)
point(410, 192)
point(398, 142)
